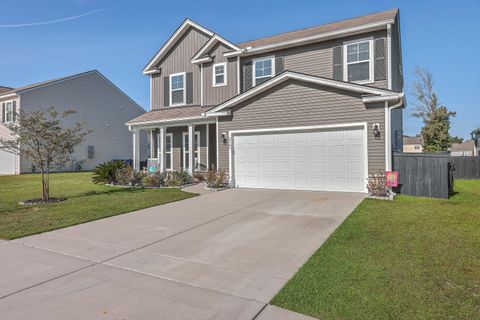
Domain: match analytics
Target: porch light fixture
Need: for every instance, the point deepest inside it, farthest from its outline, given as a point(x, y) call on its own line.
point(376, 130)
point(224, 137)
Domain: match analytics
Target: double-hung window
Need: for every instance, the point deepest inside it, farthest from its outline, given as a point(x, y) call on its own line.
point(177, 89)
point(9, 110)
point(263, 69)
point(219, 74)
point(168, 151)
point(358, 61)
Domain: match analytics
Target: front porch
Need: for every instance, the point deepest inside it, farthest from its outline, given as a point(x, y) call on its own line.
point(175, 146)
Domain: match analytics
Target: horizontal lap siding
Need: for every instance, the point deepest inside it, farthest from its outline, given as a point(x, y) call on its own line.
point(178, 60)
point(215, 95)
point(177, 133)
point(296, 104)
point(317, 59)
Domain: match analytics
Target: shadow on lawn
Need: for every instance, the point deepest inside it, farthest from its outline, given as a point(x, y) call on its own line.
point(111, 191)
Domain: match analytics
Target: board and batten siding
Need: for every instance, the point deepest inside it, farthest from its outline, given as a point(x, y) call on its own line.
point(317, 59)
point(298, 104)
point(176, 61)
point(98, 103)
point(216, 95)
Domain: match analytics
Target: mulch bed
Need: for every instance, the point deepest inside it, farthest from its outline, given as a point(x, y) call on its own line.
point(33, 202)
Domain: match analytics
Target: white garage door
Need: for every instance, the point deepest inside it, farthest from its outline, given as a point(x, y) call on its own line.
point(7, 163)
point(331, 160)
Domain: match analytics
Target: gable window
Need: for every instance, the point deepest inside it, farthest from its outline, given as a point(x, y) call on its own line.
point(262, 70)
point(177, 89)
point(358, 61)
point(219, 74)
point(8, 111)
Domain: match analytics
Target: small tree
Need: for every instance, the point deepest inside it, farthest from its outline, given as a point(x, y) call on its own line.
point(435, 117)
point(38, 137)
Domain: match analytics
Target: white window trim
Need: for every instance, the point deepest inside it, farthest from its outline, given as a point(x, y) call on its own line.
point(170, 154)
point(157, 151)
point(254, 78)
point(184, 89)
point(12, 115)
point(370, 60)
point(185, 134)
point(214, 78)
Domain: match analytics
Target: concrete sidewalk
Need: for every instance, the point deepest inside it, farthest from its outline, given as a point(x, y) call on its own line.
point(223, 255)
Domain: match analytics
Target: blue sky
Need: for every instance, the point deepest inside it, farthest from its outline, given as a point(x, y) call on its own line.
point(118, 37)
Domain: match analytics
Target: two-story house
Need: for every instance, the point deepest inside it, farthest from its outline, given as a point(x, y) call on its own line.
point(314, 109)
point(96, 100)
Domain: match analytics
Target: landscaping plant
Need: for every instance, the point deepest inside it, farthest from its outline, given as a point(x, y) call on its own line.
point(40, 138)
point(126, 176)
point(377, 185)
point(216, 178)
point(105, 172)
point(154, 179)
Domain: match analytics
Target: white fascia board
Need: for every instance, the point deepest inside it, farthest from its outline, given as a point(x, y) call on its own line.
point(231, 54)
point(318, 37)
point(382, 98)
point(302, 77)
point(172, 40)
point(210, 43)
point(8, 95)
point(217, 114)
point(202, 60)
point(160, 122)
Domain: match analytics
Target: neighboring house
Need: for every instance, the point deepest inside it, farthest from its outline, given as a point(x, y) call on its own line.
point(476, 141)
point(97, 101)
point(466, 148)
point(412, 144)
point(4, 89)
point(315, 109)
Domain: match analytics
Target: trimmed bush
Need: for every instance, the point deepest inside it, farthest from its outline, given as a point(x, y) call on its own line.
point(105, 172)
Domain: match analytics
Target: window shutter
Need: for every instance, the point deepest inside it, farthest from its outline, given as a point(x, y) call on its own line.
point(14, 116)
point(3, 112)
point(380, 66)
point(278, 65)
point(166, 91)
point(189, 87)
point(338, 63)
point(247, 71)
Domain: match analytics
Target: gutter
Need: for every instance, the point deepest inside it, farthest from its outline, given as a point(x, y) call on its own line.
point(388, 134)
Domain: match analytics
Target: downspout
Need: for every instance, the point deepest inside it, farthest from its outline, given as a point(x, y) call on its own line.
point(388, 134)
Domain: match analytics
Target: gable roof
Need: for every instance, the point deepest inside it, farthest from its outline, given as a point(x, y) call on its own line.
point(468, 145)
point(170, 114)
point(5, 89)
point(412, 140)
point(181, 30)
point(379, 18)
point(374, 93)
point(198, 57)
point(70, 77)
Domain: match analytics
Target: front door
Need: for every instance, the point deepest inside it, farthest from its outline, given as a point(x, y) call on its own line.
point(186, 150)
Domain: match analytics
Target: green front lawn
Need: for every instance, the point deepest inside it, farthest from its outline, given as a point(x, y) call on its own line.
point(414, 258)
point(85, 202)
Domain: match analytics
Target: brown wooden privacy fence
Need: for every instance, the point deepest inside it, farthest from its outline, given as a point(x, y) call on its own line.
point(424, 174)
point(466, 167)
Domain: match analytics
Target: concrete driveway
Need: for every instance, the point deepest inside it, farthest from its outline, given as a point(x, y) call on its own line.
point(222, 255)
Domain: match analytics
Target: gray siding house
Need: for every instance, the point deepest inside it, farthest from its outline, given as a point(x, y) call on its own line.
point(97, 101)
point(313, 109)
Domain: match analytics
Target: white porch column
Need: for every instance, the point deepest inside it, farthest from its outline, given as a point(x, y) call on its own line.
point(136, 148)
point(190, 148)
point(161, 156)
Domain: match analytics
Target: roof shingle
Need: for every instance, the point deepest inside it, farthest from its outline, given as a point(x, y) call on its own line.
point(324, 28)
point(170, 114)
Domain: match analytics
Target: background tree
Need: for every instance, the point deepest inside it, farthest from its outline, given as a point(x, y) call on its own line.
point(457, 140)
point(435, 117)
point(40, 138)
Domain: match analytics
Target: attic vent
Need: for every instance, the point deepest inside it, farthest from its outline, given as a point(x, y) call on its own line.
point(91, 152)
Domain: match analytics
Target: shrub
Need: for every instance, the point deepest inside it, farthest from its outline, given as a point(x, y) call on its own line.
point(377, 184)
point(154, 179)
point(125, 176)
point(105, 172)
point(216, 178)
point(178, 178)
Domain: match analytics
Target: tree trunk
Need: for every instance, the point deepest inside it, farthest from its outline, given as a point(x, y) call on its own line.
point(45, 185)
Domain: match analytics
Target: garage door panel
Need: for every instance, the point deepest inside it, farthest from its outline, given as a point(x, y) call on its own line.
point(7, 163)
point(308, 160)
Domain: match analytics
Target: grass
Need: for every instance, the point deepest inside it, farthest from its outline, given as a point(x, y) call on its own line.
point(414, 258)
point(85, 202)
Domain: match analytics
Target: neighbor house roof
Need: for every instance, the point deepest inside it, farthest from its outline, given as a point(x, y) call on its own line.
point(39, 84)
point(371, 94)
point(476, 131)
point(412, 140)
point(468, 145)
point(385, 16)
point(170, 114)
point(5, 89)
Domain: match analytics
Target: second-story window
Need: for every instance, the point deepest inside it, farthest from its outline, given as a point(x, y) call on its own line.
point(219, 74)
point(177, 89)
point(262, 70)
point(358, 61)
point(8, 112)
